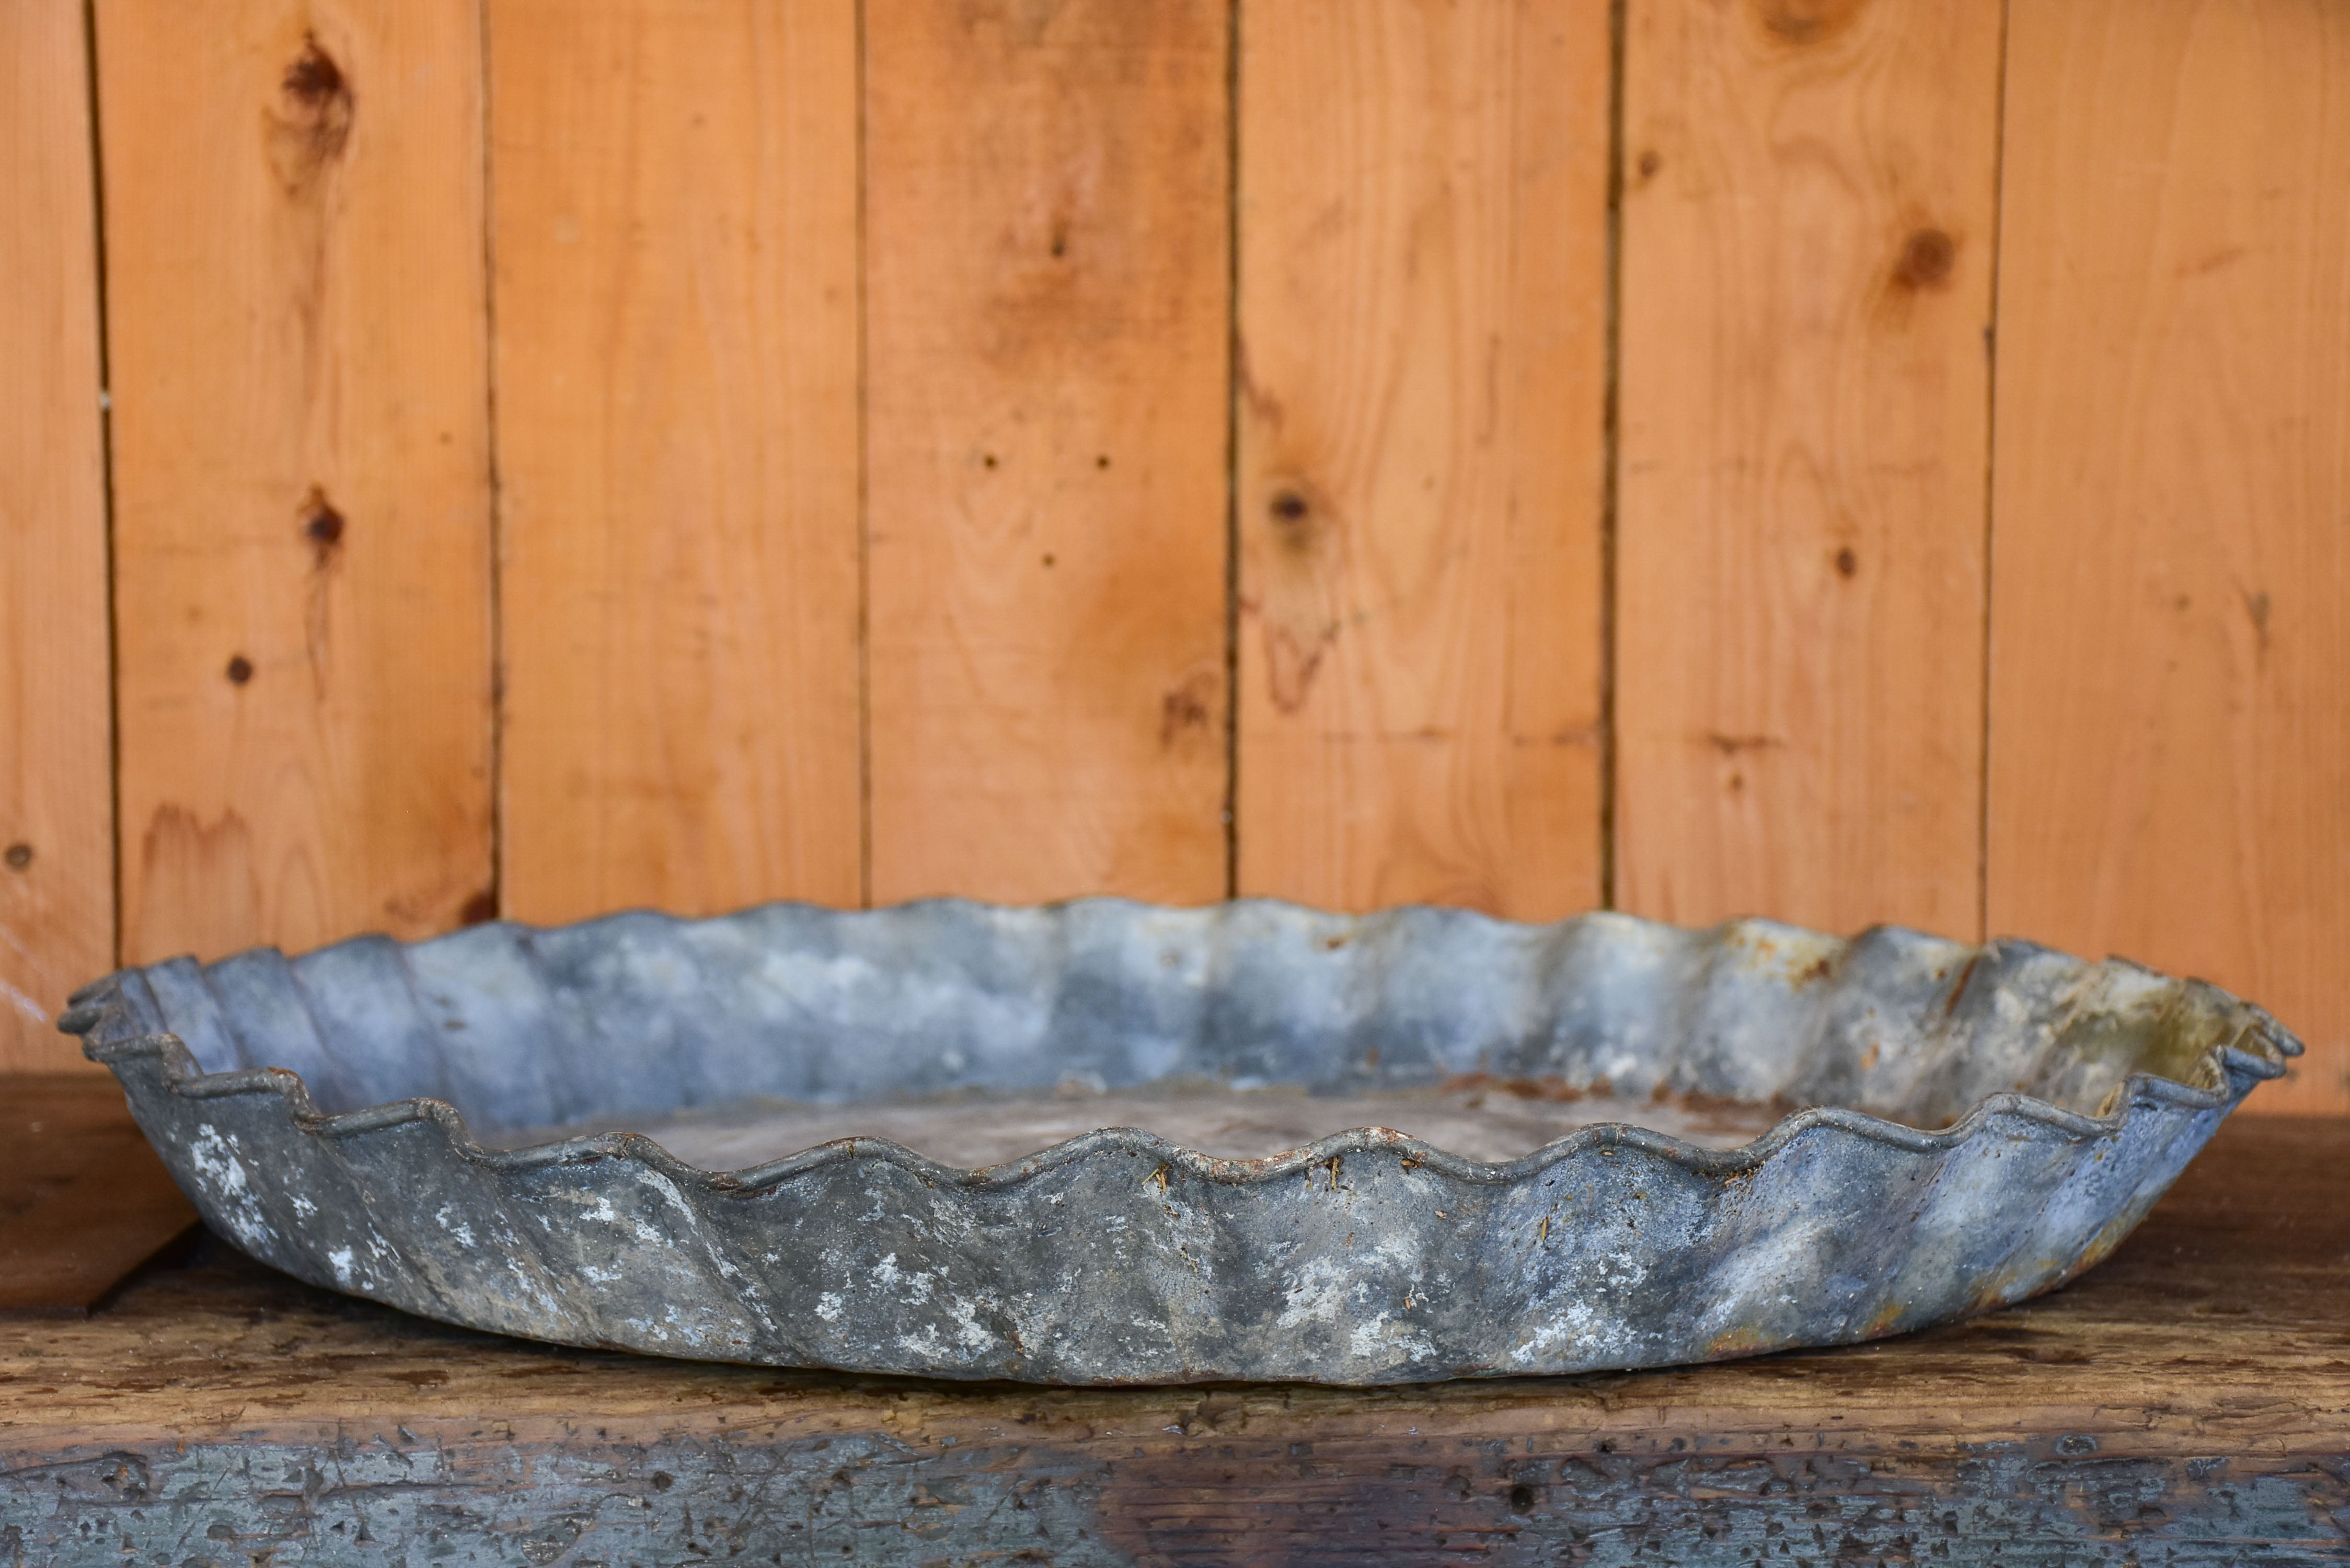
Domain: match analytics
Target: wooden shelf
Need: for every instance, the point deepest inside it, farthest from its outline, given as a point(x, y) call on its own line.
point(2186, 1402)
point(83, 1200)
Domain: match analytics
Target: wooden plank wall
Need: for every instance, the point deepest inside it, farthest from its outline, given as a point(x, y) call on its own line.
point(56, 820)
point(1844, 460)
point(1048, 196)
point(1422, 459)
point(297, 332)
point(1807, 271)
point(2170, 652)
point(674, 241)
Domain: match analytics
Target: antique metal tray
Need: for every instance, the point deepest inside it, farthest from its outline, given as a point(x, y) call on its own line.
point(891, 1140)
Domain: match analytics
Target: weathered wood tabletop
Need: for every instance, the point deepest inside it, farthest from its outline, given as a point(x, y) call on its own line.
point(2186, 1402)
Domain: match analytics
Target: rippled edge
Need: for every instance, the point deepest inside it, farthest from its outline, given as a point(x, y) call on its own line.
point(2233, 1065)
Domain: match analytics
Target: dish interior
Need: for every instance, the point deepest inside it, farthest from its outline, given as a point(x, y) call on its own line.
point(1476, 1117)
point(976, 1035)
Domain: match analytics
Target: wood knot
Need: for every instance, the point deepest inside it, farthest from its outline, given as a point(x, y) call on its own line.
point(1188, 706)
point(1299, 521)
point(322, 525)
point(1927, 258)
point(314, 79)
point(312, 121)
point(1799, 23)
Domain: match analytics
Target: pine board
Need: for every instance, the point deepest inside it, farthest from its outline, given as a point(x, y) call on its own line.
point(1422, 307)
point(298, 342)
point(2170, 679)
point(1806, 286)
point(675, 233)
point(1047, 300)
point(57, 825)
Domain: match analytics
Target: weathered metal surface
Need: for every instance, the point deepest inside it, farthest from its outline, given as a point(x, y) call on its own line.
point(1982, 1124)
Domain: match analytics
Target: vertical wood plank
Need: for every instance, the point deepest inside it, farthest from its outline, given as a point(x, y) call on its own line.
point(1423, 295)
point(1047, 314)
point(56, 827)
point(299, 361)
point(2170, 682)
point(675, 235)
point(1808, 221)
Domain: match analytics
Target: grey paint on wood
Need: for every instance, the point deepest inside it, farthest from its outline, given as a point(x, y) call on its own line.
point(875, 1498)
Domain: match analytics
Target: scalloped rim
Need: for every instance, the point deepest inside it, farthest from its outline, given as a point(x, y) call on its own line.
point(2230, 1063)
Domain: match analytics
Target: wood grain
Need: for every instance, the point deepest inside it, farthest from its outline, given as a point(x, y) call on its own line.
point(299, 356)
point(1423, 297)
point(84, 1200)
point(2184, 1402)
point(1807, 281)
point(675, 235)
point(2170, 687)
point(1047, 311)
point(56, 827)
